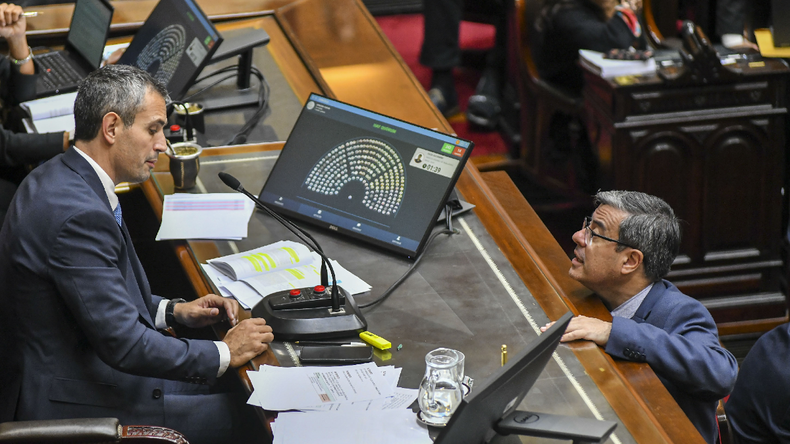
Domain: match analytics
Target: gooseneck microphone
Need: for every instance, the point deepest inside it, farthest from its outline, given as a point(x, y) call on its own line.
point(234, 183)
point(306, 313)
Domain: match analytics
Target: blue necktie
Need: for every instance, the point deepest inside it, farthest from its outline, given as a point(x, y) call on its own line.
point(117, 214)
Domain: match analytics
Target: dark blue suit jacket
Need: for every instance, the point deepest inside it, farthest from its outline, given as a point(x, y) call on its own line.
point(759, 406)
point(77, 336)
point(677, 337)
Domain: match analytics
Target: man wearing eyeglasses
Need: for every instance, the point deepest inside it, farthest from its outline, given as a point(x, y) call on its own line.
point(622, 253)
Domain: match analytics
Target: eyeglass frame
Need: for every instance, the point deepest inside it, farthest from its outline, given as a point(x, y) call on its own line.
point(586, 226)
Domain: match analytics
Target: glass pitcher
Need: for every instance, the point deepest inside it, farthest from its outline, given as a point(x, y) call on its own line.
point(440, 389)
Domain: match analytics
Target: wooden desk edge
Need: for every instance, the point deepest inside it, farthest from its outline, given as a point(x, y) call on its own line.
point(637, 396)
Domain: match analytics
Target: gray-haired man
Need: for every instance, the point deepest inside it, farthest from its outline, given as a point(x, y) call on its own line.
point(79, 329)
point(622, 253)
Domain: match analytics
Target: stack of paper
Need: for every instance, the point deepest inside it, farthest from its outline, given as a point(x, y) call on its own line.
point(50, 114)
point(284, 265)
point(608, 68)
point(344, 404)
point(380, 427)
point(205, 216)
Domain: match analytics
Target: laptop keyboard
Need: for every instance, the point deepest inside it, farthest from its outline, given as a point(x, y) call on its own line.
point(55, 71)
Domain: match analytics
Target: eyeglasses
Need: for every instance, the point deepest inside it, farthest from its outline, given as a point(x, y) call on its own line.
point(589, 234)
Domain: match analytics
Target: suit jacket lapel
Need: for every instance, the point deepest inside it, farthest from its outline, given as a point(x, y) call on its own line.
point(142, 297)
point(649, 302)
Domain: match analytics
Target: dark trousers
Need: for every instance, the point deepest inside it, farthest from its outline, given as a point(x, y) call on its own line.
point(440, 50)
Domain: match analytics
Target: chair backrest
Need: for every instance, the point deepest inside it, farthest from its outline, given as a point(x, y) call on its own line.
point(526, 11)
point(85, 430)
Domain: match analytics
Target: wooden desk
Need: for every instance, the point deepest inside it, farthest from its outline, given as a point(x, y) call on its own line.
point(334, 47)
point(716, 154)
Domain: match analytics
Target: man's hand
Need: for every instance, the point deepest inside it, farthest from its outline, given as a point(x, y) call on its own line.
point(582, 327)
point(247, 340)
point(207, 310)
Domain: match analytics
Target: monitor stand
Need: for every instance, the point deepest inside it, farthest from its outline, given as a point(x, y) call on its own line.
point(544, 425)
point(241, 43)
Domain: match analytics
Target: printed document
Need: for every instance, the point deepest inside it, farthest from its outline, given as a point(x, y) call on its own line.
point(381, 427)
point(294, 388)
point(205, 216)
point(283, 265)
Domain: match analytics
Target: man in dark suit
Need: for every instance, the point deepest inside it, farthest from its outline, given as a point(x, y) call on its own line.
point(80, 332)
point(759, 407)
point(622, 253)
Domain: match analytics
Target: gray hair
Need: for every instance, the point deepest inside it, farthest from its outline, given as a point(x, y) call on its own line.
point(651, 227)
point(114, 88)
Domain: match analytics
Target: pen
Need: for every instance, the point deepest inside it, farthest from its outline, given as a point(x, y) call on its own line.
point(31, 14)
point(340, 344)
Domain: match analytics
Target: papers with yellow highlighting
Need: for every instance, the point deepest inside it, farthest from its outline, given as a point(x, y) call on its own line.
point(283, 265)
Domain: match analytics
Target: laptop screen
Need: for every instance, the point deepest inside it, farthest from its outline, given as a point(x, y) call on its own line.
point(90, 25)
point(174, 44)
point(365, 175)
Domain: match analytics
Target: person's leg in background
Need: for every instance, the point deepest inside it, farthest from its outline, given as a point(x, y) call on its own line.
point(484, 106)
point(440, 51)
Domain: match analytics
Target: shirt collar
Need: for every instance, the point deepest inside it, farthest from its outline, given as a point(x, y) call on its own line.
point(107, 183)
point(628, 308)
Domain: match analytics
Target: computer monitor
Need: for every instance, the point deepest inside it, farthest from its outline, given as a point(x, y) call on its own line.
point(174, 44)
point(480, 416)
point(365, 175)
point(89, 29)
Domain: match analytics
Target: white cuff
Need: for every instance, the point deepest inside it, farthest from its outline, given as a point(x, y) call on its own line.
point(160, 322)
point(731, 40)
point(224, 357)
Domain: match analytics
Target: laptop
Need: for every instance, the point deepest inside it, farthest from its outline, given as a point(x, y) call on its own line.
point(780, 16)
point(365, 175)
point(61, 71)
point(491, 409)
point(173, 45)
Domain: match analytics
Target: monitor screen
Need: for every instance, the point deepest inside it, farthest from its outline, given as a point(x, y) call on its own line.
point(90, 26)
point(174, 44)
point(501, 394)
point(365, 175)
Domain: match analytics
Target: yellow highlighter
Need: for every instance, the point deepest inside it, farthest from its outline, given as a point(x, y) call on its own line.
point(375, 340)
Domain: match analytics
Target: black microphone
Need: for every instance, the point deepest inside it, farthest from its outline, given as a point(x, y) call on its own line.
point(234, 183)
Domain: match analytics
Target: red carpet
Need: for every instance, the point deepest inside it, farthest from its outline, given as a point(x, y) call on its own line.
point(406, 34)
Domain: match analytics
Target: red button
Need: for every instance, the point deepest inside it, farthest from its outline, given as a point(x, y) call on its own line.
point(175, 128)
point(319, 289)
point(296, 292)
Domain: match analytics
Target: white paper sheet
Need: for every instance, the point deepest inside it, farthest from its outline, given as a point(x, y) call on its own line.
point(53, 106)
point(293, 388)
point(246, 295)
point(205, 216)
point(380, 427)
point(55, 124)
point(402, 398)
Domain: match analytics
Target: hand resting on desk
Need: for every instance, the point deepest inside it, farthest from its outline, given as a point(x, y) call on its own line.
point(246, 340)
point(206, 311)
point(583, 327)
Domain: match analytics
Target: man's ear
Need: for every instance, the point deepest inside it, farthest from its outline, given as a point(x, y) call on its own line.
point(111, 125)
point(633, 260)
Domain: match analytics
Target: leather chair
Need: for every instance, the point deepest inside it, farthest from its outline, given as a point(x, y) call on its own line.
point(539, 102)
point(85, 430)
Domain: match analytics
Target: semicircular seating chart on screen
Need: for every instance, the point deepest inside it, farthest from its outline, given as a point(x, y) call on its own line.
point(165, 51)
point(371, 161)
